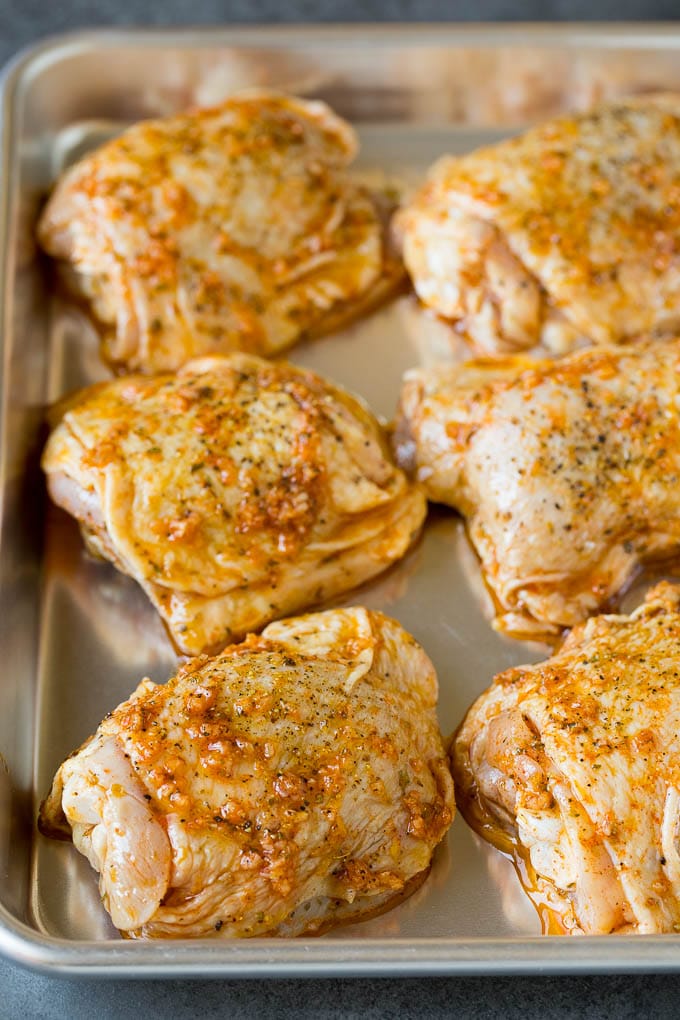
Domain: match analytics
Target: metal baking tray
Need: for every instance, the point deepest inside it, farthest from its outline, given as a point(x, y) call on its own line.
point(76, 636)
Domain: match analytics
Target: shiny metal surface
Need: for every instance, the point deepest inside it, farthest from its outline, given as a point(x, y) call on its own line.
point(76, 636)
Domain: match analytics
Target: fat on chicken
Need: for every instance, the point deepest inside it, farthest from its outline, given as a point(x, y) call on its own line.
point(231, 228)
point(296, 781)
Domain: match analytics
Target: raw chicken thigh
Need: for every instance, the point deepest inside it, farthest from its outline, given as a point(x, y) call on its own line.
point(223, 229)
point(293, 782)
point(566, 235)
point(234, 492)
point(567, 472)
point(571, 765)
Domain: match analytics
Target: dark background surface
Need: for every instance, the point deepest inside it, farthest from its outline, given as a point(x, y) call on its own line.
point(25, 994)
point(23, 21)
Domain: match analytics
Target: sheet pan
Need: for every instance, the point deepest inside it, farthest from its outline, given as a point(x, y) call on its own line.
point(75, 636)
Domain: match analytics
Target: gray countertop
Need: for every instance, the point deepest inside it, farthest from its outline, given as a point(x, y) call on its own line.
point(33, 995)
point(28, 995)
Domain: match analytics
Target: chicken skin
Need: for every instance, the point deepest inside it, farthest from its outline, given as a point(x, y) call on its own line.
point(234, 492)
point(571, 765)
point(566, 235)
point(567, 471)
point(224, 229)
point(295, 781)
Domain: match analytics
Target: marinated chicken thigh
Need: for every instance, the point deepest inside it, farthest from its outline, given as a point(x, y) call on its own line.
point(566, 235)
point(567, 472)
point(223, 229)
point(295, 781)
point(572, 766)
point(234, 492)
